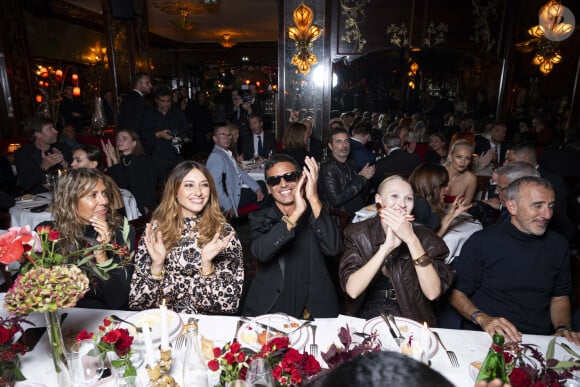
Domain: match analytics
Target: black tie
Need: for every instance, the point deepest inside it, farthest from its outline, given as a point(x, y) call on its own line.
point(260, 146)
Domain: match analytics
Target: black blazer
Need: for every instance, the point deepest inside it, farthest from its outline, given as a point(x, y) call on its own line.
point(246, 146)
point(131, 112)
point(482, 145)
point(397, 162)
point(292, 273)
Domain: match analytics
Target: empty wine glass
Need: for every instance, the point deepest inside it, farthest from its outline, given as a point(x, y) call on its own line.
point(86, 363)
point(260, 374)
point(48, 181)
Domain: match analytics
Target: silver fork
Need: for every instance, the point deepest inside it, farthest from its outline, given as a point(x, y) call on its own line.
point(314, 346)
point(181, 338)
point(450, 354)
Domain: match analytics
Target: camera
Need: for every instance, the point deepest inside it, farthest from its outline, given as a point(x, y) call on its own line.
point(247, 98)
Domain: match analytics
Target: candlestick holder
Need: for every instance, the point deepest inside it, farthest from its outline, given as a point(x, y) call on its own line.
point(159, 379)
point(165, 362)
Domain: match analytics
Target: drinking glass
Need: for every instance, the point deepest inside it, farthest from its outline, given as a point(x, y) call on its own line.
point(238, 383)
point(48, 181)
point(86, 363)
point(260, 374)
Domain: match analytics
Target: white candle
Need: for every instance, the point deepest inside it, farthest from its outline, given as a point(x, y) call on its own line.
point(164, 329)
point(425, 337)
point(148, 344)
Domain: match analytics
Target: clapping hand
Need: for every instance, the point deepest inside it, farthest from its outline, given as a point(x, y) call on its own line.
point(399, 221)
point(459, 205)
point(215, 246)
point(299, 201)
point(51, 159)
point(110, 152)
point(310, 171)
point(155, 247)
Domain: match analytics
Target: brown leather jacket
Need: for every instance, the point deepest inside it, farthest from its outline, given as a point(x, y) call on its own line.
point(361, 242)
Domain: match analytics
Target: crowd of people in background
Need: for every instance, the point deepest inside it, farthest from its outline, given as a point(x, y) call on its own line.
point(186, 172)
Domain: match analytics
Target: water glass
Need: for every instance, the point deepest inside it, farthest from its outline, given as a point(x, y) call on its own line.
point(238, 383)
point(86, 363)
point(260, 374)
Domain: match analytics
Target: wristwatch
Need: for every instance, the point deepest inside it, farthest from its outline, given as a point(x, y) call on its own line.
point(423, 260)
point(474, 315)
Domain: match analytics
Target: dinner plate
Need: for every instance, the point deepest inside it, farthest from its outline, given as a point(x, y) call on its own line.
point(407, 327)
point(153, 319)
point(249, 332)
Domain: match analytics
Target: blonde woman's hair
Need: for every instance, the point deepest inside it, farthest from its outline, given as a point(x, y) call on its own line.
point(388, 180)
point(71, 187)
point(168, 215)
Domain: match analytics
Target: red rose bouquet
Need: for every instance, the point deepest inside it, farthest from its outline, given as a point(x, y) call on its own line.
point(117, 341)
point(289, 366)
point(527, 367)
point(9, 350)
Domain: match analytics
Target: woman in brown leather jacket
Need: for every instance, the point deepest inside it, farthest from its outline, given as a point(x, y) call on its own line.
point(390, 264)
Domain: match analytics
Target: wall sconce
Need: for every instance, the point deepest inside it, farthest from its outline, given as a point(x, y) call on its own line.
point(13, 147)
point(304, 34)
point(227, 42)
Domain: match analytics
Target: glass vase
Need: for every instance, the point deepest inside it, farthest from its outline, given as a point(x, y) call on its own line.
point(57, 350)
point(119, 373)
point(8, 373)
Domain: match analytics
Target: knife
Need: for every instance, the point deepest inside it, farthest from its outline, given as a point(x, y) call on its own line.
point(384, 316)
point(263, 326)
point(392, 318)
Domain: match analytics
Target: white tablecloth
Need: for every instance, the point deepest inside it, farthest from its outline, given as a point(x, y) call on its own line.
point(20, 214)
point(256, 174)
point(468, 345)
point(460, 230)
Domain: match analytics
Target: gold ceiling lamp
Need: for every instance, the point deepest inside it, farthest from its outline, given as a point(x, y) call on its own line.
point(227, 41)
point(184, 9)
point(304, 34)
point(555, 24)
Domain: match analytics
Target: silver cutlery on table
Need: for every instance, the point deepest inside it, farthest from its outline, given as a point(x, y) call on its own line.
point(400, 337)
point(119, 319)
point(180, 341)
point(450, 354)
point(314, 346)
point(395, 337)
point(263, 326)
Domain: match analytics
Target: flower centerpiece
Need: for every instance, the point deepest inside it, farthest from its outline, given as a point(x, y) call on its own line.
point(116, 342)
point(50, 280)
point(9, 350)
point(528, 367)
point(290, 367)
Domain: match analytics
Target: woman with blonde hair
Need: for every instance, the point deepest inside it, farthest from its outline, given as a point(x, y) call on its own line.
point(83, 215)
point(462, 182)
point(188, 255)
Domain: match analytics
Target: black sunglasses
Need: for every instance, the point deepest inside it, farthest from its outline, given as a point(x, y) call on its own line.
point(289, 177)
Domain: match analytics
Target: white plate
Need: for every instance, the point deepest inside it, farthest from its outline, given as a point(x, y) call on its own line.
point(407, 327)
point(153, 319)
point(473, 372)
point(247, 335)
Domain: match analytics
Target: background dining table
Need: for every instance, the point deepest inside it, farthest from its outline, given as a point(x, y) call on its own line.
point(468, 346)
point(24, 211)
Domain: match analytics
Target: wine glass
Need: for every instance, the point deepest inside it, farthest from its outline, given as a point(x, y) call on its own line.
point(86, 363)
point(260, 374)
point(48, 181)
point(256, 160)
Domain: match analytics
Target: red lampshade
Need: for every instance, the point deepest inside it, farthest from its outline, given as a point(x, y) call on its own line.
point(76, 91)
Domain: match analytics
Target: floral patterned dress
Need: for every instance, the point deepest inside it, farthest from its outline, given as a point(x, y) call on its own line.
point(182, 287)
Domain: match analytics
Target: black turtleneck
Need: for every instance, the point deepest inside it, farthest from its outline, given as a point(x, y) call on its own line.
point(511, 274)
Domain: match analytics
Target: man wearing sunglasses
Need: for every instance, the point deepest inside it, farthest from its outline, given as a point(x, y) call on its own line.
point(290, 240)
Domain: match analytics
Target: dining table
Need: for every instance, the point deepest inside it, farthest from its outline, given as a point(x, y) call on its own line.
point(36, 209)
point(468, 346)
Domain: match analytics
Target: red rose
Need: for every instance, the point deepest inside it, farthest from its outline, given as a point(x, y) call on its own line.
point(287, 364)
point(213, 365)
point(84, 335)
point(241, 357)
point(296, 377)
point(519, 378)
point(112, 336)
point(54, 236)
point(542, 384)
point(293, 355)
point(10, 249)
point(280, 342)
point(277, 372)
point(229, 358)
point(508, 357)
point(242, 374)
point(217, 352)
point(123, 344)
point(43, 229)
point(311, 365)
point(5, 335)
point(106, 322)
point(235, 347)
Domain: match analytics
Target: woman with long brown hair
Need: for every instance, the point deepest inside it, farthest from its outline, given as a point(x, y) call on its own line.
point(189, 255)
point(295, 142)
point(83, 214)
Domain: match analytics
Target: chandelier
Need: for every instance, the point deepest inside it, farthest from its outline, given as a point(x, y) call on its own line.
point(184, 9)
point(555, 24)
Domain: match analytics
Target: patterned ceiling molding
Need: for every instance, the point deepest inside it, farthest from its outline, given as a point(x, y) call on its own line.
point(398, 35)
point(435, 34)
point(80, 15)
point(486, 13)
point(354, 13)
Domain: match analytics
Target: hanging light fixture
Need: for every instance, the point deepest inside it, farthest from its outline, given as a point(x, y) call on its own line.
point(227, 41)
point(304, 34)
point(184, 9)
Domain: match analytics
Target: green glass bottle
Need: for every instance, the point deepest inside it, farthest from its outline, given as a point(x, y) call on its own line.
point(493, 366)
